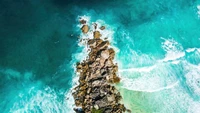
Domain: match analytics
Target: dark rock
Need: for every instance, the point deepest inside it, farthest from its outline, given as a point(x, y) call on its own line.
point(79, 110)
point(82, 21)
point(102, 27)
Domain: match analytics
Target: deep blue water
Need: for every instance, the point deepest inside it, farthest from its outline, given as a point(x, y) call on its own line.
point(157, 44)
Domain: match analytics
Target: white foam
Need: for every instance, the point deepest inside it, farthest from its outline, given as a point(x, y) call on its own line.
point(198, 12)
point(157, 78)
point(142, 69)
point(174, 50)
point(194, 107)
point(45, 101)
point(152, 84)
point(176, 62)
point(198, 49)
point(173, 56)
point(193, 78)
point(190, 50)
point(14, 74)
point(154, 89)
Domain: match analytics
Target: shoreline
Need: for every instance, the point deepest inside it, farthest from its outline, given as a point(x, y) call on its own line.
point(95, 92)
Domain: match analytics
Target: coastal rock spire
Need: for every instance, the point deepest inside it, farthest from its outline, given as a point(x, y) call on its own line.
point(95, 92)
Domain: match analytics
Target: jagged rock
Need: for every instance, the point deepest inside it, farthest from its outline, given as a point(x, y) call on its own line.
point(103, 45)
point(92, 43)
point(92, 64)
point(95, 26)
point(110, 98)
point(82, 88)
point(96, 72)
point(82, 21)
point(116, 79)
point(94, 77)
point(128, 110)
point(103, 92)
point(96, 34)
point(82, 93)
point(96, 83)
point(99, 41)
point(115, 68)
point(103, 71)
point(122, 107)
point(102, 61)
point(101, 104)
point(79, 67)
point(85, 28)
point(78, 103)
point(102, 27)
point(94, 95)
point(108, 63)
point(112, 53)
point(108, 111)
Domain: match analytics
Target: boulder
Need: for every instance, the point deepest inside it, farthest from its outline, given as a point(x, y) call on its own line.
point(82, 88)
point(79, 110)
point(116, 79)
point(105, 54)
point(103, 45)
point(94, 95)
point(99, 41)
point(101, 104)
point(102, 27)
point(103, 71)
point(111, 98)
point(128, 110)
point(89, 90)
point(82, 21)
point(108, 63)
point(96, 34)
point(85, 28)
point(102, 61)
point(108, 110)
point(96, 83)
point(95, 26)
point(112, 53)
point(92, 43)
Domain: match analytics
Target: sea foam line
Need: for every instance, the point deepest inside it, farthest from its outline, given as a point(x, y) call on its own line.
point(154, 90)
point(142, 69)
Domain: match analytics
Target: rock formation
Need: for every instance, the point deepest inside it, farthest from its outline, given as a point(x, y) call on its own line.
point(95, 92)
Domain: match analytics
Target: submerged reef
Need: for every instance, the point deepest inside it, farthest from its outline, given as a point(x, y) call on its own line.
point(95, 92)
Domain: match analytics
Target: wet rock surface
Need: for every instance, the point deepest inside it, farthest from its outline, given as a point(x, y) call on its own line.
point(97, 74)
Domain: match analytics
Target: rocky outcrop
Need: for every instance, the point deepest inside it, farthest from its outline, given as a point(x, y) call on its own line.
point(95, 92)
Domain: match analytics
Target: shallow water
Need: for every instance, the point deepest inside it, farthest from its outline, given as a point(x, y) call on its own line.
point(157, 44)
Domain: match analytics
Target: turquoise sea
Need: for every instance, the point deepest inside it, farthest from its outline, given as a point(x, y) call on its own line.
point(157, 44)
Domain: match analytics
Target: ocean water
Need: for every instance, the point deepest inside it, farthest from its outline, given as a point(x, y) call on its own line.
point(157, 46)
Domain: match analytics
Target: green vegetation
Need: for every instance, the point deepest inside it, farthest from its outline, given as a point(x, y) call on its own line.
point(97, 111)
